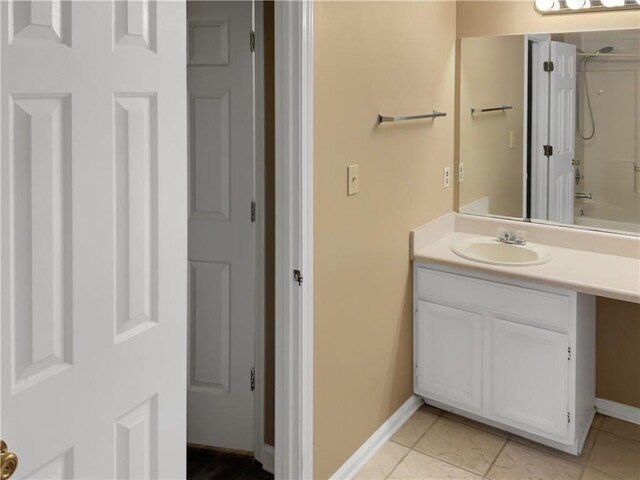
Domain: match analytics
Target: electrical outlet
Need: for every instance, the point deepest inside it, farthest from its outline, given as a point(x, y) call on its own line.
point(446, 177)
point(460, 172)
point(353, 179)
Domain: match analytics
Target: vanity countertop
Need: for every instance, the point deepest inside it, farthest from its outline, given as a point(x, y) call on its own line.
point(589, 271)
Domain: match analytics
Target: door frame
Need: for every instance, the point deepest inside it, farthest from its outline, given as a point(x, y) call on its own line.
point(262, 452)
point(294, 239)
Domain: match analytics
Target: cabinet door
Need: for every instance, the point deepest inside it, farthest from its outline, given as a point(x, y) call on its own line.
point(530, 378)
point(449, 355)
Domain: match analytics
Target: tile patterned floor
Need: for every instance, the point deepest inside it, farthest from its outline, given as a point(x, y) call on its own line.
point(437, 445)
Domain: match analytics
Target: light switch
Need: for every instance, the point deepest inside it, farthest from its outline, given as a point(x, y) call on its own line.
point(446, 177)
point(460, 172)
point(512, 139)
point(353, 179)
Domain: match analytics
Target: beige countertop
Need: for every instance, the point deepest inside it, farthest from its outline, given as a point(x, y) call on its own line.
point(587, 271)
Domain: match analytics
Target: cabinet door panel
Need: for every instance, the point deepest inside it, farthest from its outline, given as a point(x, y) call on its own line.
point(530, 378)
point(449, 355)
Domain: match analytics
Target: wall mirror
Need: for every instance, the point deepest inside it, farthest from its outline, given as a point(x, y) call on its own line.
point(549, 128)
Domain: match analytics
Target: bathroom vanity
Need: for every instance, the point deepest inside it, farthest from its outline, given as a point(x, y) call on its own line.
point(515, 354)
point(513, 344)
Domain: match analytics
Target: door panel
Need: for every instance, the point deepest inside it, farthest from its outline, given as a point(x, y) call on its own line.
point(449, 350)
point(221, 233)
point(93, 203)
point(530, 378)
point(562, 128)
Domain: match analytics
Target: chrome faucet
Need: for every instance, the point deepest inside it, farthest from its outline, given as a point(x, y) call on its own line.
point(506, 236)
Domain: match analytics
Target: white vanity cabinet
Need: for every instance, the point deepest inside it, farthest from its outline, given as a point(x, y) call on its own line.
point(517, 356)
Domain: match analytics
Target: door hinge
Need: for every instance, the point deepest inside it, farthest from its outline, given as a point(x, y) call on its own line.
point(548, 150)
point(297, 276)
point(252, 40)
point(548, 66)
point(253, 211)
point(569, 357)
point(253, 379)
point(568, 417)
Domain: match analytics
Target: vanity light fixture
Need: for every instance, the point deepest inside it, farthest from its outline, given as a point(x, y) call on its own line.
point(551, 7)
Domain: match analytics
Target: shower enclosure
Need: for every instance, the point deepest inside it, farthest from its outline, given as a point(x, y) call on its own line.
point(607, 150)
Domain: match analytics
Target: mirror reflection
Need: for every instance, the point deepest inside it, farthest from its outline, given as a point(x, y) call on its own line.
point(550, 126)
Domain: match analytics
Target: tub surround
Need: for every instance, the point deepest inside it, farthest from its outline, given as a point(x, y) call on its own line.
point(596, 263)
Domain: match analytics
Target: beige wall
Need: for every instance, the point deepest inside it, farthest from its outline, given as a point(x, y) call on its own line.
point(370, 57)
point(618, 323)
point(618, 351)
point(492, 74)
point(476, 19)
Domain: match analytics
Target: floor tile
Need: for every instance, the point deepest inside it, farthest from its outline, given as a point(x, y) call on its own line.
point(418, 466)
point(616, 455)
point(581, 459)
point(620, 427)
point(415, 427)
point(383, 462)
point(591, 474)
point(473, 423)
point(461, 445)
point(517, 462)
point(432, 409)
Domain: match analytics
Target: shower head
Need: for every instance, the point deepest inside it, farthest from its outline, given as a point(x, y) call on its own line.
point(603, 50)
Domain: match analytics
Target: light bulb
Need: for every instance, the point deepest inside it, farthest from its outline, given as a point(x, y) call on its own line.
point(612, 3)
point(545, 5)
point(576, 4)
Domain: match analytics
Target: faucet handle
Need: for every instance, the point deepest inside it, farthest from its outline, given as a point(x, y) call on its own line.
point(501, 233)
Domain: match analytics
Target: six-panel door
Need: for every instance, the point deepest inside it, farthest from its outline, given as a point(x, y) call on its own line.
point(93, 238)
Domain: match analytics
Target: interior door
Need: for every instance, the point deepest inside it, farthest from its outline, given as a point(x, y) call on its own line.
point(562, 131)
point(93, 254)
point(221, 231)
point(539, 126)
point(530, 377)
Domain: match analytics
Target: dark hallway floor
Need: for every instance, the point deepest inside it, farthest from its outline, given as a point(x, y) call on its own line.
point(206, 464)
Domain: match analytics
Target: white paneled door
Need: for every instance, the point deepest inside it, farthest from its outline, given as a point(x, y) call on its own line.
point(222, 312)
point(562, 131)
point(93, 248)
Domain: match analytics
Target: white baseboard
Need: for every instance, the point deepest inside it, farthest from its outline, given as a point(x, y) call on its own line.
point(375, 442)
point(267, 457)
point(618, 410)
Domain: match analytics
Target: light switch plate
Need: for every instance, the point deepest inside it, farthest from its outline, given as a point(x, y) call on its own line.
point(512, 139)
point(446, 177)
point(460, 172)
point(353, 179)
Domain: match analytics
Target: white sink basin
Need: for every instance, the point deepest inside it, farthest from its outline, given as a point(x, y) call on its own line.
point(491, 251)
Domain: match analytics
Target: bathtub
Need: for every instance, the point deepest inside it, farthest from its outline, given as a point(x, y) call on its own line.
point(598, 223)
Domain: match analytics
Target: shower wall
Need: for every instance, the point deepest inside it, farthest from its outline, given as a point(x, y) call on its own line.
point(609, 162)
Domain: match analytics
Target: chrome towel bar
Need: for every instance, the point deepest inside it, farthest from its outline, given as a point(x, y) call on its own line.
point(404, 118)
point(501, 108)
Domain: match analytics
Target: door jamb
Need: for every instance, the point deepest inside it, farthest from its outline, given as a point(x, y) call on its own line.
point(294, 239)
point(262, 452)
